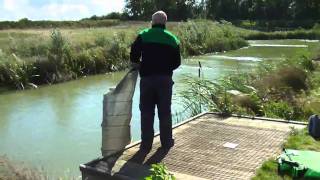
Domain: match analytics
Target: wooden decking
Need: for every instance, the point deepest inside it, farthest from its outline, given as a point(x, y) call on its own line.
point(200, 152)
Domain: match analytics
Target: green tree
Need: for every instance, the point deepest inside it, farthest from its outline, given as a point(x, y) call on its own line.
point(226, 9)
point(176, 10)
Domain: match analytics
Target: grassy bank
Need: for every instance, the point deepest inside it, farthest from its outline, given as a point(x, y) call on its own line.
point(31, 58)
point(286, 88)
point(313, 33)
point(275, 25)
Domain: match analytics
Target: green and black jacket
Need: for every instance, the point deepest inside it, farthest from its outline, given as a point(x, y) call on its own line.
point(159, 51)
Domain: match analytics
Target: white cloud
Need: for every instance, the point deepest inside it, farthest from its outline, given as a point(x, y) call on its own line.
point(64, 11)
point(103, 3)
point(57, 9)
point(11, 5)
point(113, 5)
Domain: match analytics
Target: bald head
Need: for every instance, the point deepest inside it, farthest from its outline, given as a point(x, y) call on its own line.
point(159, 18)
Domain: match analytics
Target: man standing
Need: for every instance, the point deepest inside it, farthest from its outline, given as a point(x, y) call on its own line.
point(160, 55)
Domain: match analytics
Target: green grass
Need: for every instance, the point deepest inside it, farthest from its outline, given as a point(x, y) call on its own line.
point(268, 171)
point(40, 56)
point(299, 140)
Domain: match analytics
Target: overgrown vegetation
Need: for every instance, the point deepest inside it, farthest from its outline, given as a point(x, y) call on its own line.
point(59, 61)
point(27, 63)
point(277, 89)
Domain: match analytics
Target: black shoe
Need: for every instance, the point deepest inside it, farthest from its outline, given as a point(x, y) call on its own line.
point(168, 146)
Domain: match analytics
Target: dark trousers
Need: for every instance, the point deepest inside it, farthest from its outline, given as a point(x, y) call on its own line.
point(156, 91)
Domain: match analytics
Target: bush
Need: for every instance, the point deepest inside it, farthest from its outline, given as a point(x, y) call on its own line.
point(279, 83)
point(160, 172)
point(279, 110)
point(57, 48)
point(306, 63)
point(250, 103)
point(15, 73)
point(292, 77)
point(118, 52)
point(101, 41)
point(200, 37)
point(44, 71)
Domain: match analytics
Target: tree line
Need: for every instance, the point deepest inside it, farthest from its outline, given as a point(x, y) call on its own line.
point(84, 23)
point(225, 9)
point(267, 13)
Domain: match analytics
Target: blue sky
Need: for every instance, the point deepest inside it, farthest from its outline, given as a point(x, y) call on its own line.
point(56, 9)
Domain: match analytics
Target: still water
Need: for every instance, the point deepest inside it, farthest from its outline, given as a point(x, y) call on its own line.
point(58, 127)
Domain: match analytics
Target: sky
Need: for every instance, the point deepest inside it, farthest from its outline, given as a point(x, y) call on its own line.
point(57, 9)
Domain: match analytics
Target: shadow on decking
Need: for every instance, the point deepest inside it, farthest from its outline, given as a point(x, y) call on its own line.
point(140, 158)
point(199, 151)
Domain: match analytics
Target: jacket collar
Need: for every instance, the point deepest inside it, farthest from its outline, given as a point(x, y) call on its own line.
point(162, 26)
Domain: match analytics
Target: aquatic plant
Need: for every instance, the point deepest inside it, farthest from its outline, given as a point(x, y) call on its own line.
point(206, 95)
